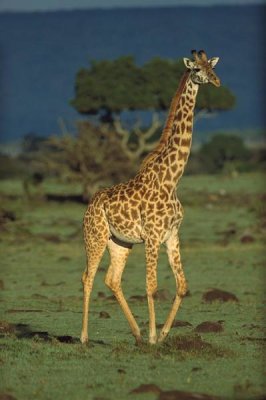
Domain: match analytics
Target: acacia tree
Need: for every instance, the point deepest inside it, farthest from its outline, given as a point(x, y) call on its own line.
point(105, 153)
point(107, 88)
point(97, 156)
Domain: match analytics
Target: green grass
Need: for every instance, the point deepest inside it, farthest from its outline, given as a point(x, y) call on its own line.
point(42, 259)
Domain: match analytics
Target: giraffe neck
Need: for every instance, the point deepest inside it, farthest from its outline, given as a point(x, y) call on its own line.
point(173, 149)
point(177, 148)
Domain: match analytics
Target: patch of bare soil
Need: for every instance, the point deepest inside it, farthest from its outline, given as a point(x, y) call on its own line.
point(101, 295)
point(6, 396)
point(191, 345)
point(247, 238)
point(147, 388)
point(218, 295)
point(104, 314)
point(7, 216)
point(171, 394)
point(180, 395)
point(209, 326)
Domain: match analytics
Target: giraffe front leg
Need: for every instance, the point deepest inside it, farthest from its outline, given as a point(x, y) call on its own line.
point(96, 237)
point(87, 280)
point(181, 285)
point(152, 250)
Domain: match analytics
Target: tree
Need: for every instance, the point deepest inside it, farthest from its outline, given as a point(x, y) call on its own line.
point(223, 150)
point(98, 156)
point(107, 88)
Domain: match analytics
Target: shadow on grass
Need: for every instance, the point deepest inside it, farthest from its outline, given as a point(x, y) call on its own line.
point(24, 331)
point(63, 198)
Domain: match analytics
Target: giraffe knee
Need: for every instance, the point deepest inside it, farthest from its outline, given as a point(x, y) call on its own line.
point(84, 278)
point(182, 288)
point(108, 281)
point(87, 281)
point(151, 289)
point(111, 282)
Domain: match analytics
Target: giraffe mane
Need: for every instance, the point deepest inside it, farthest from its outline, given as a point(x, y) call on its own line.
point(169, 122)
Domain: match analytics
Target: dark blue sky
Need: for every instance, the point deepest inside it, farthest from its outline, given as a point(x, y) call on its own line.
point(40, 5)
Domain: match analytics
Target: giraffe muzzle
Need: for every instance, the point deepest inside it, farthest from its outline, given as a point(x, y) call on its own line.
point(216, 82)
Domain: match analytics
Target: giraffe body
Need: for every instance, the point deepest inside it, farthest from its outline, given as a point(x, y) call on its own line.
point(146, 209)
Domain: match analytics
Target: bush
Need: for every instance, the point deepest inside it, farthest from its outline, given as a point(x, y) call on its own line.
point(224, 152)
point(11, 167)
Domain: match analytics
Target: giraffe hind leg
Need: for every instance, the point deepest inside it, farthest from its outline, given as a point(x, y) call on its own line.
point(118, 256)
point(96, 234)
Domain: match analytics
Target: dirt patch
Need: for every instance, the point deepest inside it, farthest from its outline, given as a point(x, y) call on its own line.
point(247, 238)
point(182, 347)
point(104, 314)
point(218, 295)
point(191, 345)
point(208, 326)
point(7, 216)
point(67, 339)
point(6, 396)
point(180, 395)
point(171, 394)
point(101, 295)
point(147, 388)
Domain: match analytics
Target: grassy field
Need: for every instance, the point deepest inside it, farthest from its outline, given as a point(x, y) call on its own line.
point(215, 347)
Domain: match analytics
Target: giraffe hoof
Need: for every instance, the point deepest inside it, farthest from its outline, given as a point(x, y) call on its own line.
point(139, 340)
point(162, 337)
point(84, 339)
point(153, 340)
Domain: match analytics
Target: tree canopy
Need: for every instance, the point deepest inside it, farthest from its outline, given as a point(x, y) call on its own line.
point(111, 86)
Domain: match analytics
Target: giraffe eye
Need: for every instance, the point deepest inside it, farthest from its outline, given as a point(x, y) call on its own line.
point(197, 69)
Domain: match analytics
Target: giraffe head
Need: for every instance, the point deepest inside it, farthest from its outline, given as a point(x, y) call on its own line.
point(202, 69)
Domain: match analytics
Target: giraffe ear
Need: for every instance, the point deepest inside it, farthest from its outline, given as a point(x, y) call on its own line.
point(188, 63)
point(213, 61)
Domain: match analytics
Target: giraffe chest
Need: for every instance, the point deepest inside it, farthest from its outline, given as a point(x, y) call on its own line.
point(160, 217)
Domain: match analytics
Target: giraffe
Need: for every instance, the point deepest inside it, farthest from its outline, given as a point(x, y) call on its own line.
point(146, 209)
